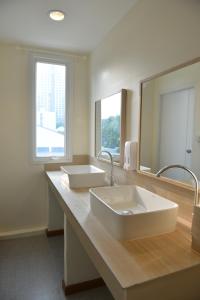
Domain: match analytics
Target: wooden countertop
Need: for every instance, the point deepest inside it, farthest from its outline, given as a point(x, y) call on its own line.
point(131, 262)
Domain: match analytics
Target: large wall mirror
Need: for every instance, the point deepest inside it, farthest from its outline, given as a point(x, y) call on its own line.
point(170, 122)
point(110, 115)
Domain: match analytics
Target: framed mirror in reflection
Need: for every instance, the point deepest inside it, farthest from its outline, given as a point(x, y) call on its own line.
point(110, 120)
point(170, 122)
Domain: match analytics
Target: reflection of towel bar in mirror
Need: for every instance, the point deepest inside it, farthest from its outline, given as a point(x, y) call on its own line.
point(110, 120)
point(170, 122)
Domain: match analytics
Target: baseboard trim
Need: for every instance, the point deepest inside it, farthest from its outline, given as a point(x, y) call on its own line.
point(22, 233)
point(51, 233)
point(82, 286)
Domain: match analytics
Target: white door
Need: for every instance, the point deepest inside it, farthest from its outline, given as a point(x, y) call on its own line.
point(176, 127)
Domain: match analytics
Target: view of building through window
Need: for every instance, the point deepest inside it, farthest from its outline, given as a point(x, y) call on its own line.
point(50, 109)
point(110, 124)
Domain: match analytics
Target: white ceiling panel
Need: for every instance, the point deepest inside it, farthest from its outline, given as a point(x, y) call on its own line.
point(86, 22)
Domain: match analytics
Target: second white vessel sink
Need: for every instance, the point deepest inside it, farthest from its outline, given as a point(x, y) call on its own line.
point(84, 176)
point(131, 212)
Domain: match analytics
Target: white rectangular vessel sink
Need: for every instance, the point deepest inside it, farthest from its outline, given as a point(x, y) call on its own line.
point(131, 212)
point(84, 176)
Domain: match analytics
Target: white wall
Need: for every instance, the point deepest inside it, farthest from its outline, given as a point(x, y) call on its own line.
point(22, 184)
point(154, 36)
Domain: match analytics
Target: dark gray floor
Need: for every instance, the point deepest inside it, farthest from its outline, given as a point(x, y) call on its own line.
point(32, 269)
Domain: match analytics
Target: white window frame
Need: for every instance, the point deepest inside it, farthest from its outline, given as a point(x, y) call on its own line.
point(59, 60)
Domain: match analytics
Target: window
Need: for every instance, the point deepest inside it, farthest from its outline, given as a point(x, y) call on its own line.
point(110, 121)
point(51, 110)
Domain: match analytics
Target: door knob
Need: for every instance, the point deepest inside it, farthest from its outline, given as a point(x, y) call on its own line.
point(189, 151)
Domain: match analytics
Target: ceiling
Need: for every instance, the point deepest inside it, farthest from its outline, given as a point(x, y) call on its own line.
point(86, 22)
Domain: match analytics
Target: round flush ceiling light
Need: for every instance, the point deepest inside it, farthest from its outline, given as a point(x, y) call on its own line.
point(57, 15)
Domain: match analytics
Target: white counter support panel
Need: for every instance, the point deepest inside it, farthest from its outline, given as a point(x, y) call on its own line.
point(79, 271)
point(55, 213)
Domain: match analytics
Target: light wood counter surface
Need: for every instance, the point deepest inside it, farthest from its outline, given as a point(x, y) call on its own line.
point(131, 262)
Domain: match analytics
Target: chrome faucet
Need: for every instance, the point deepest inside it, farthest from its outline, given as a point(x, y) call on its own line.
point(111, 164)
point(196, 198)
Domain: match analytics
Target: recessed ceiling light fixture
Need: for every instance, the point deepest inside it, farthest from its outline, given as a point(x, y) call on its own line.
point(56, 15)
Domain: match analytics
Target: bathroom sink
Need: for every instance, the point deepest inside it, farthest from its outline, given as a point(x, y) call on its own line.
point(84, 176)
point(131, 212)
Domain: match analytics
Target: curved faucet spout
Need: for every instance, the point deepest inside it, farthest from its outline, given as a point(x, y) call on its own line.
point(196, 198)
point(111, 163)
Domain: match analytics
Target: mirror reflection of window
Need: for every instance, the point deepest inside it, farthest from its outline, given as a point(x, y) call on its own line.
point(110, 125)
